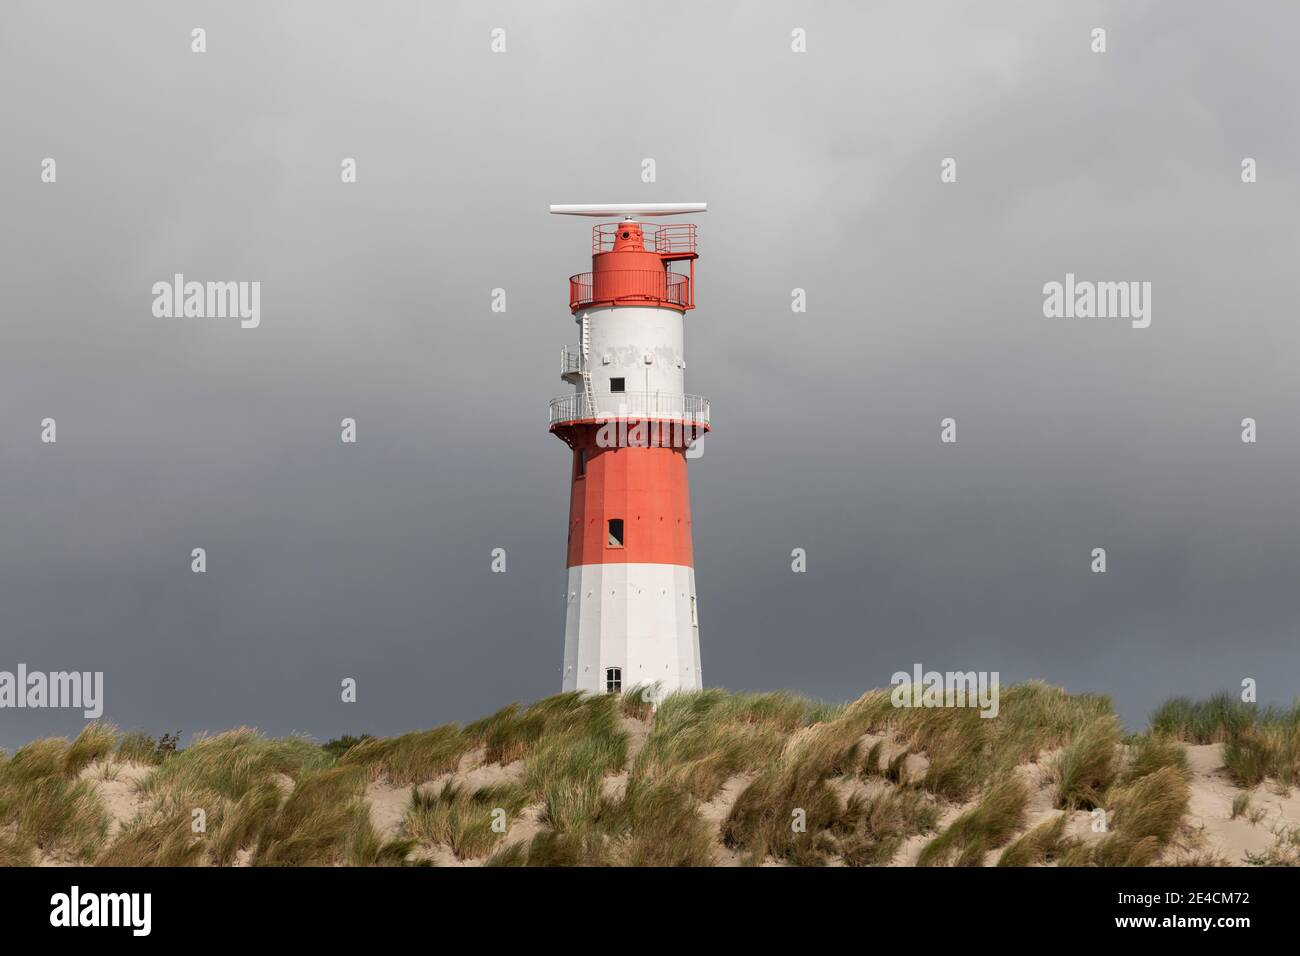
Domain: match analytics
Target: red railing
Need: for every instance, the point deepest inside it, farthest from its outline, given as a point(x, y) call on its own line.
point(636, 285)
point(674, 238)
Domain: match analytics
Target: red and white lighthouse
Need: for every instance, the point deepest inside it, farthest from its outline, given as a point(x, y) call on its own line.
point(631, 614)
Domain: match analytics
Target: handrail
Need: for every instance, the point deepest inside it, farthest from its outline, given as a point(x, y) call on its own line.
point(616, 285)
point(669, 238)
point(671, 406)
point(570, 360)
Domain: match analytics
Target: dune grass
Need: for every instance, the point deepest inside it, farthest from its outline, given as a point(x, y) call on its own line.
point(1259, 742)
point(639, 701)
point(16, 850)
point(966, 750)
point(138, 748)
point(1146, 814)
point(266, 801)
point(1088, 765)
point(94, 742)
point(1240, 805)
point(1043, 844)
point(1149, 752)
point(505, 735)
point(229, 764)
point(44, 805)
point(980, 830)
point(698, 740)
point(701, 739)
point(321, 822)
point(874, 828)
point(162, 839)
point(241, 822)
point(564, 770)
point(410, 758)
point(813, 784)
point(1208, 721)
point(513, 734)
point(1264, 751)
point(790, 810)
point(657, 825)
point(470, 822)
point(651, 824)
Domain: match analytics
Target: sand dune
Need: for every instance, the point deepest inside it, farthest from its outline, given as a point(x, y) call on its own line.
point(1209, 828)
point(597, 780)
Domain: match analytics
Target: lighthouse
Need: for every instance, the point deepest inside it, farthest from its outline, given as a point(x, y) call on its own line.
point(631, 614)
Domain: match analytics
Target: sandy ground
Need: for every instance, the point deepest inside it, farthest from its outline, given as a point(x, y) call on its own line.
point(116, 785)
point(1270, 813)
point(1209, 832)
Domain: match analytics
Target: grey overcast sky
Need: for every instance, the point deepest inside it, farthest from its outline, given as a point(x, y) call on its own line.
point(821, 171)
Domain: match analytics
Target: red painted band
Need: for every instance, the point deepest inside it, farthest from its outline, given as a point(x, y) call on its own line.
point(644, 488)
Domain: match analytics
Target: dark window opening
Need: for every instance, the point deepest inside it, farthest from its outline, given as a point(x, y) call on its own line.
point(617, 384)
point(580, 463)
point(615, 532)
point(613, 680)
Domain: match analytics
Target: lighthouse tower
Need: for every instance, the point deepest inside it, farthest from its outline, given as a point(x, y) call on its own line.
point(631, 616)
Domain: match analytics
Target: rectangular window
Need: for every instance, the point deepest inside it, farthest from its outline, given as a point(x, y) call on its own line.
point(617, 384)
point(613, 680)
point(580, 463)
point(695, 621)
point(615, 533)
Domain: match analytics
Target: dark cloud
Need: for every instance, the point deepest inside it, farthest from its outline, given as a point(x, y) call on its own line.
point(821, 171)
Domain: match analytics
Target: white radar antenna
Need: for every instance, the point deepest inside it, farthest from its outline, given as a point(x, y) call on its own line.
point(630, 210)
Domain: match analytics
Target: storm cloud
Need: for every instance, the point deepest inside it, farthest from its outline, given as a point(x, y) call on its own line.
point(822, 172)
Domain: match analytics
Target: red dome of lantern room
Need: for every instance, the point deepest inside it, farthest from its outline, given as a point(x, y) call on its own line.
point(631, 264)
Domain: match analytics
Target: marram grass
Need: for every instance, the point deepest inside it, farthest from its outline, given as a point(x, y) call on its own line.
point(700, 779)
